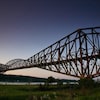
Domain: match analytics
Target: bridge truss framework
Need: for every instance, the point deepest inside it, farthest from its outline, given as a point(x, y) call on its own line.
point(77, 54)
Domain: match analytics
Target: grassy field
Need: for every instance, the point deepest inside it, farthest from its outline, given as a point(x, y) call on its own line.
point(29, 92)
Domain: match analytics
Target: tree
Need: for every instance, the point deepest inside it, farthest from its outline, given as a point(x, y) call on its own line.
point(50, 79)
point(86, 82)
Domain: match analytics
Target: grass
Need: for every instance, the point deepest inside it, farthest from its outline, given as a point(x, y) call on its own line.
point(31, 92)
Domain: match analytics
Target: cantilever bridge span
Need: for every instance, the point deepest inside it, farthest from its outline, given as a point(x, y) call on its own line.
point(77, 54)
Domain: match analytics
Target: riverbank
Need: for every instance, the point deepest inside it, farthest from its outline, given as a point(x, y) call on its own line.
point(49, 92)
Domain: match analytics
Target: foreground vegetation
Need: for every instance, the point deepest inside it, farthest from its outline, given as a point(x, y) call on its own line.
point(49, 92)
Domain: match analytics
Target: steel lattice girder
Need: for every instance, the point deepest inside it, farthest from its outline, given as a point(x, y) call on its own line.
point(77, 54)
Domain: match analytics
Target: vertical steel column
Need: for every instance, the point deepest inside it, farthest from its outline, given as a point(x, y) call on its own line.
point(59, 56)
point(81, 59)
point(51, 54)
point(87, 69)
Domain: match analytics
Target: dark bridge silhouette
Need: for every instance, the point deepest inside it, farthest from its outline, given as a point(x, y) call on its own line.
point(77, 54)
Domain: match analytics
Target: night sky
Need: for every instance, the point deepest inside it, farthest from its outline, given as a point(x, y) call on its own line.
point(28, 26)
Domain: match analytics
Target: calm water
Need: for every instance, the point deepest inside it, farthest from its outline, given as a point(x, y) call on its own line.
point(21, 83)
point(31, 83)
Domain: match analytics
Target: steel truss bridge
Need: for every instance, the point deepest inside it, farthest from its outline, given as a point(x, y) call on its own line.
point(77, 54)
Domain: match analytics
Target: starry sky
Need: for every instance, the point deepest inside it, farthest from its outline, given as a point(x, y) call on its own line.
point(28, 26)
